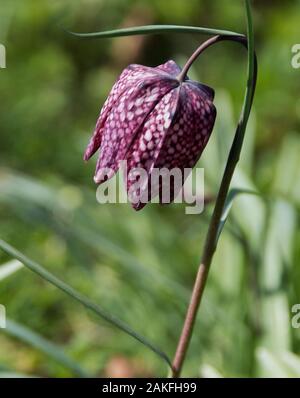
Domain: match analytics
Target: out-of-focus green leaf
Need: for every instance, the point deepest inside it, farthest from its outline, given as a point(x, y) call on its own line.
point(7, 12)
point(268, 365)
point(277, 254)
point(51, 350)
point(209, 372)
point(16, 188)
point(277, 364)
point(287, 173)
point(9, 268)
point(39, 270)
point(233, 193)
point(291, 361)
point(249, 210)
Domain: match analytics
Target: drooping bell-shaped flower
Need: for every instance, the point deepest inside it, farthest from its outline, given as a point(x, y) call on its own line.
point(152, 120)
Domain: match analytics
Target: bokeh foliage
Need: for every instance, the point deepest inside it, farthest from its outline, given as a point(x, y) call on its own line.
point(141, 266)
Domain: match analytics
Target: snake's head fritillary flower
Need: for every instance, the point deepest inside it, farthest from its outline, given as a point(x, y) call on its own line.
point(152, 120)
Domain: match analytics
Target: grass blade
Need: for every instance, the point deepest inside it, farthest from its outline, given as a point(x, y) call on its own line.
point(28, 336)
point(233, 193)
point(152, 29)
point(39, 270)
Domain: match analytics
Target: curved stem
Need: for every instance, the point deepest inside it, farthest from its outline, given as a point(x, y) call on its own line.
point(233, 158)
point(215, 39)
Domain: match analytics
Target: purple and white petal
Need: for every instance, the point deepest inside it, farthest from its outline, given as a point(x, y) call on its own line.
point(128, 77)
point(147, 146)
point(170, 67)
point(127, 116)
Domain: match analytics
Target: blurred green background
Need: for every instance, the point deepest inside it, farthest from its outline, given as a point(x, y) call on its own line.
point(141, 266)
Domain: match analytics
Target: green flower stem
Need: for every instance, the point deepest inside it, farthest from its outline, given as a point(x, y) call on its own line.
point(216, 219)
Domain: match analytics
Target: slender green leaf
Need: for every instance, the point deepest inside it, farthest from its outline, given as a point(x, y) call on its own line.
point(39, 270)
point(152, 29)
point(233, 193)
point(28, 336)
